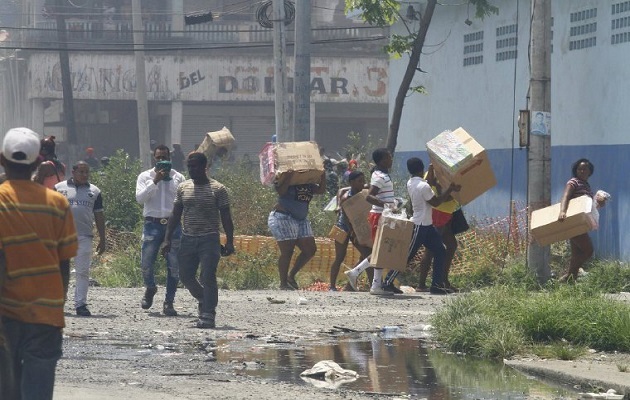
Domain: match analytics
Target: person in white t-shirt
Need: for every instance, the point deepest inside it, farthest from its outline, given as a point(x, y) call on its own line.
point(380, 195)
point(424, 233)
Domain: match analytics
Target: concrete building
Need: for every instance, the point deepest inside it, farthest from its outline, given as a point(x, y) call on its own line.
point(199, 77)
point(478, 78)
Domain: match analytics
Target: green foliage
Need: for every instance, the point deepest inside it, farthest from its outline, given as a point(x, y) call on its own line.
point(250, 201)
point(466, 325)
point(361, 149)
point(376, 12)
point(560, 350)
point(608, 276)
point(118, 184)
point(120, 265)
point(499, 320)
point(245, 271)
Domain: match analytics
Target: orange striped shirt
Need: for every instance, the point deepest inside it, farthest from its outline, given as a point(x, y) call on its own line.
point(36, 232)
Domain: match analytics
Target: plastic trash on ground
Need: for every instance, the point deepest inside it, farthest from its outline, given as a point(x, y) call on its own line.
point(328, 374)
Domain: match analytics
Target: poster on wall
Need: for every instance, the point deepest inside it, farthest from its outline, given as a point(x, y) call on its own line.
point(541, 123)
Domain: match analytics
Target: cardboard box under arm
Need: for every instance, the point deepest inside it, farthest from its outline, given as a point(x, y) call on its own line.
point(391, 245)
point(546, 229)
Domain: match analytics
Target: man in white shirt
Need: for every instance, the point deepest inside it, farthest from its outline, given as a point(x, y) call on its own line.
point(155, 190)
point(424, 233)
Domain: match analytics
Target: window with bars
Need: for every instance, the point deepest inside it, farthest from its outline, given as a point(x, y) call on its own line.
point(620, 23)
point(507, 42)
point(583, 29)
point(473, 48)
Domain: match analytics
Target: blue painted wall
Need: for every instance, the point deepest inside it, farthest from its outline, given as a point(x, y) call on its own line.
point(590, 98)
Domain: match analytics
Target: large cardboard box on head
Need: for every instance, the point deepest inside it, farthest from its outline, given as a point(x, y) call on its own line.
point(581, 218)
point(391, 245)
point(215, 143)
point(458, 158)
point(357, 209)
point(299, 162)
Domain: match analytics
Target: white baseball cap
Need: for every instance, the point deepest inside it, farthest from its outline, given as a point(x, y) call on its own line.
point(21, 146)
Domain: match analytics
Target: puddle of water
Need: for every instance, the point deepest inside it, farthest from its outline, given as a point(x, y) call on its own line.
point(394, 366)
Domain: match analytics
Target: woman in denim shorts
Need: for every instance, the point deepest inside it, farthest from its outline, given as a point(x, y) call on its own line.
point(290, 227)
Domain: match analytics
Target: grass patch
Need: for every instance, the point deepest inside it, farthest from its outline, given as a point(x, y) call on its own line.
point(559, 350)
point(245, 271)
point(498, 321)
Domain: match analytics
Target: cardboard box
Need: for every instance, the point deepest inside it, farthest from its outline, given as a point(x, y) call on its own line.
point(216, 142)
point(299, 162)
point(338, 234)
point(391, 245)
point(458, 158)
point(357, 209)
point(546, 229)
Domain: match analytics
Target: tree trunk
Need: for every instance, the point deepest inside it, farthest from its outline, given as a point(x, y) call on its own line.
point(405, 84)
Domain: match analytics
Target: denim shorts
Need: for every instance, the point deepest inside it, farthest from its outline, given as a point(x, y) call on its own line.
point(285, 227)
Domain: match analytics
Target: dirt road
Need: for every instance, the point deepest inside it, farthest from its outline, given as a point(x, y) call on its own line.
point(124, 352)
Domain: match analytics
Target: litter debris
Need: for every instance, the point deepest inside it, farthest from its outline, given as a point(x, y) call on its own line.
point(611, 394)
point(302, 300)
point(328, 374)
point(274, 301)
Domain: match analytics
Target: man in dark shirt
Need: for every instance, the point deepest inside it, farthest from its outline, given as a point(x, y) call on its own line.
point(201, 205)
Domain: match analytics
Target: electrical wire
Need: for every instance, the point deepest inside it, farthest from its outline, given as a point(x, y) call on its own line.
point(263, 13)
point(513, 150)
point(182, 48)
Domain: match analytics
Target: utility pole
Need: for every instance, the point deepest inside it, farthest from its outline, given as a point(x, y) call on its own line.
point(144, 139)
point(302, 74)
point(539, 152)
point(280, 73)
point(66, 82)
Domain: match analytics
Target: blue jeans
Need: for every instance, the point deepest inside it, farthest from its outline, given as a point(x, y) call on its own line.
point(152, 237)
point(34, 350)
point(428, 236)
point(205, 252)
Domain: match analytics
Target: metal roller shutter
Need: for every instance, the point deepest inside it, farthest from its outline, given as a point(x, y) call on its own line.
point(251, 133)
point(195, 125)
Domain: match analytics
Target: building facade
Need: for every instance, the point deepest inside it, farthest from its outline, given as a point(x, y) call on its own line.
point(478, 78)
point(199, 78)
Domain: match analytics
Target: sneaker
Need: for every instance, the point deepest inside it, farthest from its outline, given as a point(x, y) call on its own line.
point(168, 309)
point(392, 288)
point(379, 291)
point(147, 299)
point(440, 290)
point(83, 311)
point(205, 323)
point(352, 278)
point(286, 287)
point(332, 288)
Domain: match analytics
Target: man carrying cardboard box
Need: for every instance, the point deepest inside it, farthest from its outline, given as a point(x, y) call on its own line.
point(424, 233)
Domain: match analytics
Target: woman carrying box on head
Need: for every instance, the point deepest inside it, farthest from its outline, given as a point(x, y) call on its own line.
point(581, 245)
point(290, 227)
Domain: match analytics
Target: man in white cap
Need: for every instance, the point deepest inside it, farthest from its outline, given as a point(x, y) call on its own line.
point(37, 241)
